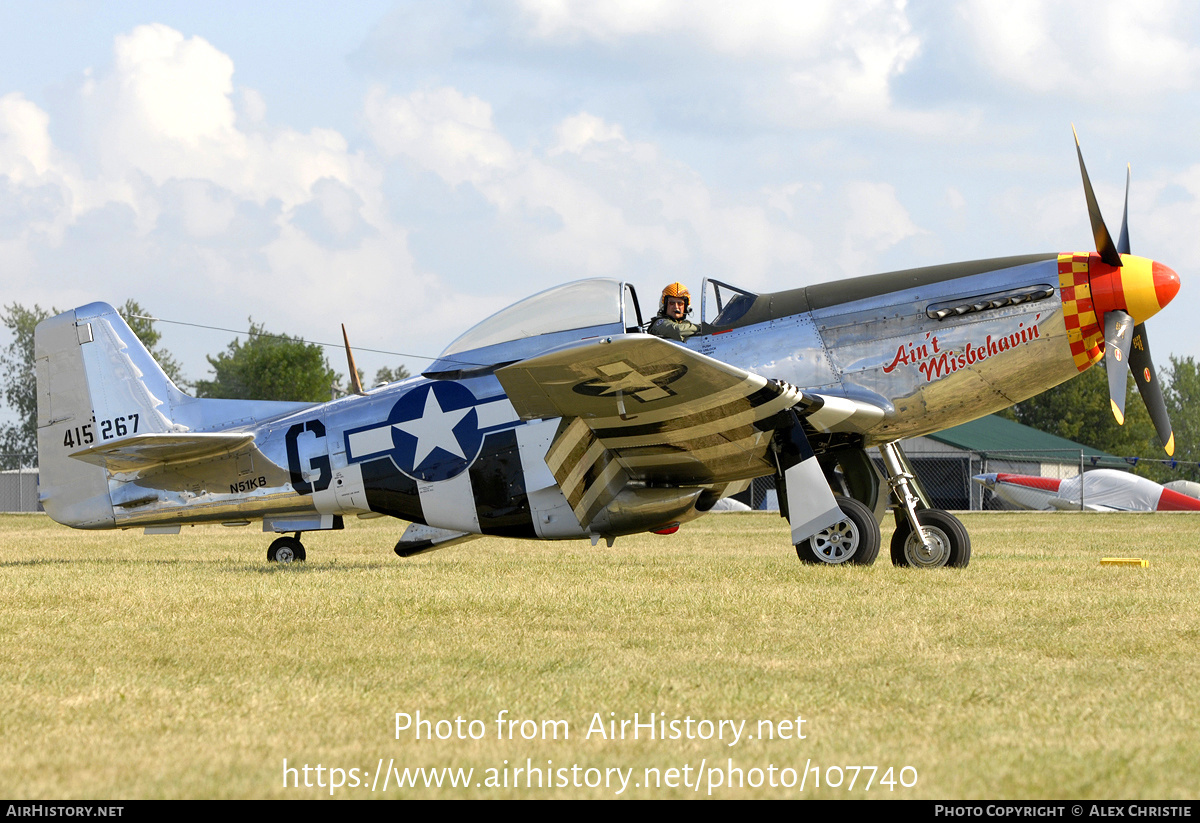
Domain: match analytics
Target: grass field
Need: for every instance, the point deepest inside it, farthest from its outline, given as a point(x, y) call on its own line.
point(187, 666)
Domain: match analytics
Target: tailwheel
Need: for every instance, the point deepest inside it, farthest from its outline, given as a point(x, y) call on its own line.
point(946, 543)
point(853, 540)
point(286, 550)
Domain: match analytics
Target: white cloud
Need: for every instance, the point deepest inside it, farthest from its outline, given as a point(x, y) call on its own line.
point(1163, 215)
point(576, 133)
point(444, 130)
point(182, 195)
point(838, 57)
point(237, 210)
point(453, 136)
point(205, 211)
point(782, 197)
point(1087, 47)
point(175, 88)
point(597, 203)
point(875, 222)
point(869, 45)
point(166, 111)
point(742, 29)
point(35, 179)
point(25, 146)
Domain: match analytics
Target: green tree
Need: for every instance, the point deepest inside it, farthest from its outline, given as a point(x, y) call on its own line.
point(1183, 403)
point(20, 379)
point(390, 375)
point(270, 367)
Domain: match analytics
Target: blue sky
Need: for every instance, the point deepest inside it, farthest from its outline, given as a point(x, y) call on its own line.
point(407, 168)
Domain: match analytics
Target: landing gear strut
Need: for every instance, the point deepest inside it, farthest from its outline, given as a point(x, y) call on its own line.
point(926, 538)
point(286, 549)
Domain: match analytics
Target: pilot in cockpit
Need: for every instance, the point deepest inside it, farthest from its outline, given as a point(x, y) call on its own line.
point(673, 309)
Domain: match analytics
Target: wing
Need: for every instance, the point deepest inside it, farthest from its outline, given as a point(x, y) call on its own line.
point(639, 409)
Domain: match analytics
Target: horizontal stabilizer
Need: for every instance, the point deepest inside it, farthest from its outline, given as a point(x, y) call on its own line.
point(142, 452)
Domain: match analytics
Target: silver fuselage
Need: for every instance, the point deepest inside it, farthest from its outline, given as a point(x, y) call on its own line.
point(1000, 338)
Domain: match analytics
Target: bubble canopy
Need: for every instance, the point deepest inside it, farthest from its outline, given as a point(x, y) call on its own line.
point(551, 318)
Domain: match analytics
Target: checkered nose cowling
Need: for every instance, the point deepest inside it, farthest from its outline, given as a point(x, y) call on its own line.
point(1090, 287)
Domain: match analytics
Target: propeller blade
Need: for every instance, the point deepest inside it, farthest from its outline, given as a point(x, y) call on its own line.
point(1104, 242)
point(1118, 335)
point(1123, 240)
point(1147, 382)
point(1124, 345)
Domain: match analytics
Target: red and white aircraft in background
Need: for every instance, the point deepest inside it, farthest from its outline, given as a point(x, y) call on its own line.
point(1103, 490)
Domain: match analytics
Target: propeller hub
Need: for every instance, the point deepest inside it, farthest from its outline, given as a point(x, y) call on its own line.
point(1139, 286)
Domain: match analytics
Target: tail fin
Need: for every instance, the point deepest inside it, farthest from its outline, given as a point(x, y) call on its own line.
point(108, 417)
point(96, 382)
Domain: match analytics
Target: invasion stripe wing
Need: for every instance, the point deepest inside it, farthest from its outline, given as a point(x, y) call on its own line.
point(640, 409)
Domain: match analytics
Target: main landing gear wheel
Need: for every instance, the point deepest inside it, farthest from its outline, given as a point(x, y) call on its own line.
point(854, 540)
point(947, 536)
point(285, 550)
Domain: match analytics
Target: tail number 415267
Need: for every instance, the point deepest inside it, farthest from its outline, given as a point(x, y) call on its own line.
point(116, 427)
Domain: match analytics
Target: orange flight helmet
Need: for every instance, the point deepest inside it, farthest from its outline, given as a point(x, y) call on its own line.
point(675, 290)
